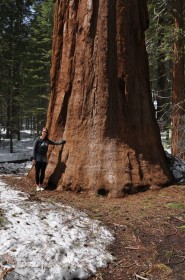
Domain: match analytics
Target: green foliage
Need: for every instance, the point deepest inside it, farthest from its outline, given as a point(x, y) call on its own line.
point(175, 205)
point(25, 57)
point(13, 41)
point(159, 44)
point(160, 33)
point(159, 38)
point(182, 227)
point(37, 79)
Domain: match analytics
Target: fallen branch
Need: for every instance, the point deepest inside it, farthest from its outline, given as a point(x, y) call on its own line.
point(137, 277)
point(132, 248)
point(129, 265)
point(125, 266)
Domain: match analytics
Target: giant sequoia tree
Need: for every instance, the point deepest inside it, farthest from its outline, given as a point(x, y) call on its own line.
point(178, 82)
point(101, 99)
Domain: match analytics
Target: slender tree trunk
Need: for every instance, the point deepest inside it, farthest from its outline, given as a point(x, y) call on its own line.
point(161, 85)
point(178, 119)
point(161, 71)
point(101, 99)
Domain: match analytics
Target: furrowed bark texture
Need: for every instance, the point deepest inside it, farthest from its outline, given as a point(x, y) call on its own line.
point(178, 82)
point(101, 99)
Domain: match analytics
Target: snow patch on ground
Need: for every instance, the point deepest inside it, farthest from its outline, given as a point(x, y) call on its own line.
point(15, 168)
point(50, 241)
point(177, 167)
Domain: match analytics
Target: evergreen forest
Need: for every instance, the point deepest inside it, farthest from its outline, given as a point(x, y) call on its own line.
point(25, 58)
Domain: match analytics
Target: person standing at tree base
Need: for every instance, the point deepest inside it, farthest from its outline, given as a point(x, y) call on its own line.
point(40, 149)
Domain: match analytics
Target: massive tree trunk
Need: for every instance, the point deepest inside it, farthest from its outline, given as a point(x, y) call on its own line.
point(101, 99)
point(178, 116)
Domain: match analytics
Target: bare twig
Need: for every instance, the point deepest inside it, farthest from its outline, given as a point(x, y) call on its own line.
point(138, 277)
point(129, 265)
point(136, 239)
point(125, 266)
point(132, 248)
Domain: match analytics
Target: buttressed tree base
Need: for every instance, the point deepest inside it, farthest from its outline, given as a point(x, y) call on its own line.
point(101, 99)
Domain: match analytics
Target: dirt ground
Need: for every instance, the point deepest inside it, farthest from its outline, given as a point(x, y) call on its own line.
point(149, 229)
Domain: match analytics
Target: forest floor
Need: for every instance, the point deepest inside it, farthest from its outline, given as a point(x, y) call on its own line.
point(149, 229)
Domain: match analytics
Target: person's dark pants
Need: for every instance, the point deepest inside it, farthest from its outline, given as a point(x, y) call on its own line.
point(40, 168)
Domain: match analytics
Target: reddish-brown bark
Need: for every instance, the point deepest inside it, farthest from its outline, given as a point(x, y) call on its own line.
point(101, 99)
point(178, 82)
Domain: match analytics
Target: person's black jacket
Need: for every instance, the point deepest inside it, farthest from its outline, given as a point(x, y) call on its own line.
point(40, 148)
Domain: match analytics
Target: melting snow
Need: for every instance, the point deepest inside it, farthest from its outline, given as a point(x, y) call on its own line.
point(50, 241)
